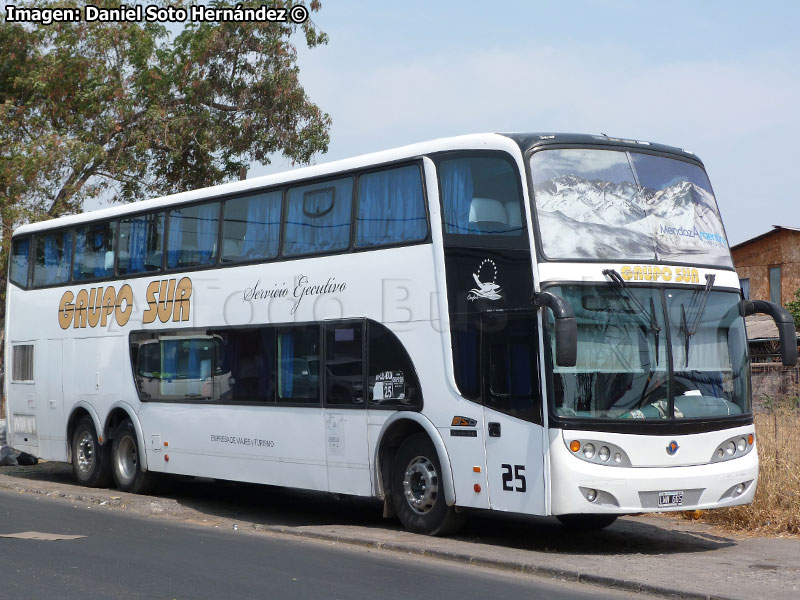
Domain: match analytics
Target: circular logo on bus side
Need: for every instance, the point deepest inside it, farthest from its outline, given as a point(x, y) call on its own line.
point(486, 290)
point(672, 448)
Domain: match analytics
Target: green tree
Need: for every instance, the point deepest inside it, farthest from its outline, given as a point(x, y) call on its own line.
point(794, 308)
point(129, 111)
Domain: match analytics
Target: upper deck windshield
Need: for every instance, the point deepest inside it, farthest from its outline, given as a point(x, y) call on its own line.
point(619, 205)
point(642, 351)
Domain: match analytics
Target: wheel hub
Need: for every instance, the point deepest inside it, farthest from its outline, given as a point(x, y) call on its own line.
point(126, 458)
point(421, 485)
point(85, 452)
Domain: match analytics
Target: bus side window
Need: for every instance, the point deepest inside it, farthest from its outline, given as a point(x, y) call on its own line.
point(251, 227)
point(318, 217)
point(192, 236)
point(391, 376)
point(141, 242)
point(391, 208)
point(344, 364)
point(20, 256)
point(94, 251)
point(52, 258)
point(250, 354)
point(298, 364)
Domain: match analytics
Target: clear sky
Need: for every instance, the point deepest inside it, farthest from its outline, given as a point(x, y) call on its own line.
point(718, 77)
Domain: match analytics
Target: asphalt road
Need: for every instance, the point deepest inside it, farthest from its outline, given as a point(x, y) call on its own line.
point(125, 556)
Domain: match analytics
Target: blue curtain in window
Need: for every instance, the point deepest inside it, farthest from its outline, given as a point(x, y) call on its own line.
point(80, 254)
point(456, 177)
point(194, 371)
point(391, 208)
point(263, 226)
point(207, 215)
point(137, 244)
point(175, 238)
point(287, 364)
point(318, 218)
point(169, 359)
point(98, 249)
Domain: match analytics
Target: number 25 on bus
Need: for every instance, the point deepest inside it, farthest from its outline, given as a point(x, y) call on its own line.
point(536, 324)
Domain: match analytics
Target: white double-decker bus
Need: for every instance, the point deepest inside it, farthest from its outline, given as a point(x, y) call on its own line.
point(537, 324)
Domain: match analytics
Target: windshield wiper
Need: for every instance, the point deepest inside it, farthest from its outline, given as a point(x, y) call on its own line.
point(650, 318)
point(689, 331)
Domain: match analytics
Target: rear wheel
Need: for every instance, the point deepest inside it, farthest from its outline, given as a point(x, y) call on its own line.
point(418, 489)
point(90, 459)
point(125, 465)
point(586, 522)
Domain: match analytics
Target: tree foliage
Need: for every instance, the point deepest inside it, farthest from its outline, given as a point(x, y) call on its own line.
point(129, 110)
point(793, 307)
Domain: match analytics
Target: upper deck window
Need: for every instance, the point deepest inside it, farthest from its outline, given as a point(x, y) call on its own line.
point(391, 208)
point(318, 217)
point(481, 197)
point(192, 237)
point(94, 251)
point(52, 259)
point(251, 227)
point(141, 240)
point(20, 253)
point(617, 205)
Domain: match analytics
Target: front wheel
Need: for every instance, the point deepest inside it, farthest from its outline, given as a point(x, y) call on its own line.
point(128, 474)
point(586, 522)
point(418, 489)
point(89, 458)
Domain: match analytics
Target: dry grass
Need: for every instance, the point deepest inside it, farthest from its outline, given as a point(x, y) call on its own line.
point(776, 507)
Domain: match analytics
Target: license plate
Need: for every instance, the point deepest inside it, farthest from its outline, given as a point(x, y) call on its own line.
point(670, 498)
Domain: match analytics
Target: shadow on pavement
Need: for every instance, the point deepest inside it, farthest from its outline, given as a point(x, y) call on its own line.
point(275, 506)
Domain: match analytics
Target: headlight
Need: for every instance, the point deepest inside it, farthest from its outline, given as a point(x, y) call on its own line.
point(598, 452)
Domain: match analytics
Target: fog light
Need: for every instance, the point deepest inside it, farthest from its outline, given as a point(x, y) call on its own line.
point(730, 448)
point(588, 450)
point(604, 453)
point(739, 489)
point(591, 495)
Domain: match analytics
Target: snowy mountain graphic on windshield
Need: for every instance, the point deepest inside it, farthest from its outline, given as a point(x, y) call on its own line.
point(600, 219)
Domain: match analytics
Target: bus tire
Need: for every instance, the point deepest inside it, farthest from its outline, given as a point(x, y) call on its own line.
point(418, 489)
point(90, 460)
point(128, 474)
point(586, 522)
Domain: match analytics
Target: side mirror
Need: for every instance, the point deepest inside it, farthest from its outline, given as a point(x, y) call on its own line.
point(785, 322)
point(566, 327)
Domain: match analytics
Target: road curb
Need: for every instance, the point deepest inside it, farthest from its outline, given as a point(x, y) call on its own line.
point(513, 566)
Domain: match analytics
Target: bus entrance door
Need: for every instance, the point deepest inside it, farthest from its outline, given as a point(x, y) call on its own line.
point(513, 413)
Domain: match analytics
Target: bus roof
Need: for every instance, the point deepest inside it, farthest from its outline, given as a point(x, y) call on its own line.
point(495, 141)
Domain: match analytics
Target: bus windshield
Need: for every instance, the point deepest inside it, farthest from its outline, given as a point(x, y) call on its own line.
point(642, 350)
point(610, 205)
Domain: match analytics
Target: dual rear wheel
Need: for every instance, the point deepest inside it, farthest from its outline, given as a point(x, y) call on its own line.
point(95, 465)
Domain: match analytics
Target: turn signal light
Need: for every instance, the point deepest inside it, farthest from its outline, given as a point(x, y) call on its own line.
point(575, 445)
point(751, 439)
